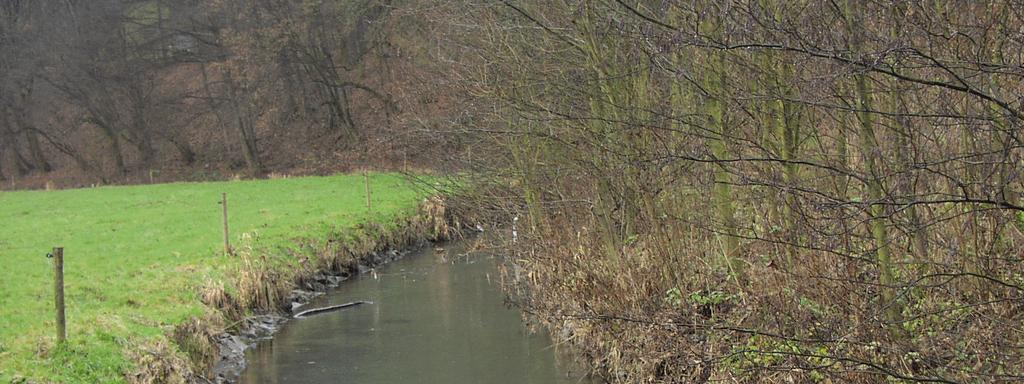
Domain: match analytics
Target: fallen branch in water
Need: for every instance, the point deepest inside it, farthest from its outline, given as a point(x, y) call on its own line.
point(316, 311)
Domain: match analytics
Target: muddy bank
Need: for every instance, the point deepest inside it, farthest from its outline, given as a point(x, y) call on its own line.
point(231, 346)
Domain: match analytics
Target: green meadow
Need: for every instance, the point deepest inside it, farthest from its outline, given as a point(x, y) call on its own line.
point(136, 256)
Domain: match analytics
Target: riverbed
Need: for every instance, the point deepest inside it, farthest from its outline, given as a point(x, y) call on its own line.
point(435, 316)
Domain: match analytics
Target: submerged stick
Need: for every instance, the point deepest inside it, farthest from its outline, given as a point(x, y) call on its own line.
point(316, 311)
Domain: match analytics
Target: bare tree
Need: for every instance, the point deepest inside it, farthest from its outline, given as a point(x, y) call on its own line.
point(857, 164)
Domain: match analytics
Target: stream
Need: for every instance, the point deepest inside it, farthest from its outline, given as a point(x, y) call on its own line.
point(435, 317)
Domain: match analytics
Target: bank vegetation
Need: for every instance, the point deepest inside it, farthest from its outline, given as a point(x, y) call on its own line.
point(760, 191)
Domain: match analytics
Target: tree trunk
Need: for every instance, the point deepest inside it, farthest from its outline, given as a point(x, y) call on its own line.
point(114, 144)
point(3, 153)
point(876, 211)
point(140, 136)
point(116, 152)
point(784, 119)
point(5, 142)
point(188, 156)
point(80, 160)
point(214, 107)
point(905, 146)
point(35, 152)
point(21, 166)
point(722, 190)
point(144, 145)
point(872, 153)
point(244, 125)
point(904, 133)
point(842, 144)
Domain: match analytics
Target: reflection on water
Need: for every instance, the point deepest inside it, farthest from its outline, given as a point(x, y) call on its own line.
point(433, 320)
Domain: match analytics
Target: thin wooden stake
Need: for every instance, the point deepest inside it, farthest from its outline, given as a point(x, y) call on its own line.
point(58, 288)
point(366, 182)
point(227, 237)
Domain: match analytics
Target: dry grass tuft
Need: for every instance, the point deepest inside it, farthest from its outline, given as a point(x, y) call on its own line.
point(196, 339)
point(442, 224)
point(159, 362)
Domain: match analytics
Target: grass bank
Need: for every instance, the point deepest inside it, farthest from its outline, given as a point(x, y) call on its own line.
point(146, 281)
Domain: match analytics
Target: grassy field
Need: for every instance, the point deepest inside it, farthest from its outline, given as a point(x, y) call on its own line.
point(135, 257)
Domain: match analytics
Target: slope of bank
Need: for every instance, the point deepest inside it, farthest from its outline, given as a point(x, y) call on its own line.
point(146, 281)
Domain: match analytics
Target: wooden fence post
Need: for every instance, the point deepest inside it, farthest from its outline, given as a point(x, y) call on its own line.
point(227, 236)
point(366, 182)
point(58, 288)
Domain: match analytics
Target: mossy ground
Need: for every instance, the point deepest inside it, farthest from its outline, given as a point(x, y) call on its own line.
point(135, 258)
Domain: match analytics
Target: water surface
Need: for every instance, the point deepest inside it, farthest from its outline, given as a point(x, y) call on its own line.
point(436, 317)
